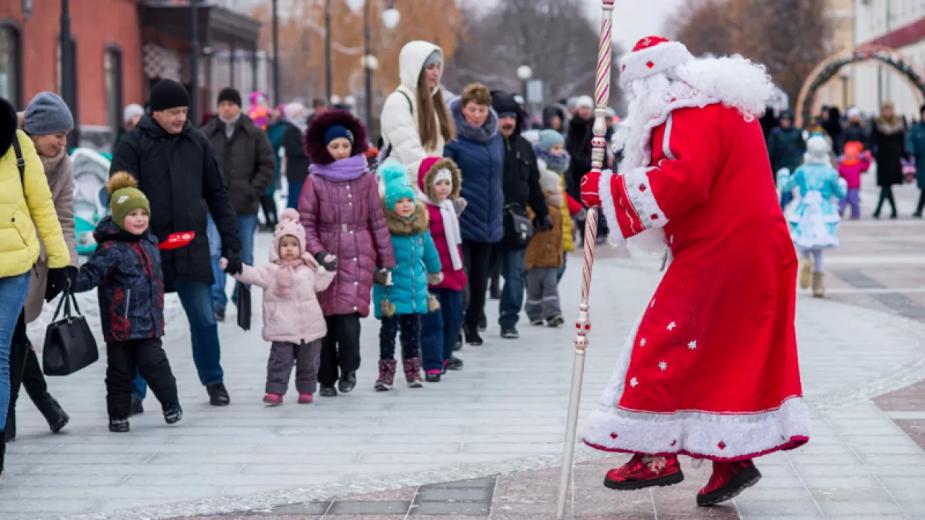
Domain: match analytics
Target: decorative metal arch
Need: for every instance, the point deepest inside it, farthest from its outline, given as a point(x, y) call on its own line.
point(829, 67)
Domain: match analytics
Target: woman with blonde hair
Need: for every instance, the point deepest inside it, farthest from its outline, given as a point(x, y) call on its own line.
point(415, 120)
point(888, 142)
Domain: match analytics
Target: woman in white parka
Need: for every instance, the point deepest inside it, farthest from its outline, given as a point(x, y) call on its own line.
point(415, 120)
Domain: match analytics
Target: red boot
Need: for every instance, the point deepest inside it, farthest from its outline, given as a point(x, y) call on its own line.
point(644, 471)
point(728, 480)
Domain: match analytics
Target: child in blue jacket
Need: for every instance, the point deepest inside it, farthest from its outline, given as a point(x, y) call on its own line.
point(402, 298)
point(126, 267)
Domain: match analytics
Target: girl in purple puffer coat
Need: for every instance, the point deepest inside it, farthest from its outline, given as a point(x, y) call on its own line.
point(342, 214)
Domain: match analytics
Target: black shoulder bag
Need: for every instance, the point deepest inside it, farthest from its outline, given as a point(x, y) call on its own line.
point(69, 344)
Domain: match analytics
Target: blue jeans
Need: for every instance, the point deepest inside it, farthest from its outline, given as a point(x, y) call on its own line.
point(219, 298)
point(295, 190)
point(197, 303)
point(247, 227)
point(440, 329)
point(512, 294)
point(13, 291)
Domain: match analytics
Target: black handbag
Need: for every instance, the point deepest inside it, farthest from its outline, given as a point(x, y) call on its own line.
point(243, 303)
point(69, 344)
point(517, 227)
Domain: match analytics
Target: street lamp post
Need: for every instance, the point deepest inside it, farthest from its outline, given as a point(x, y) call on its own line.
point(524, 73)
point(68, 89)
point(390, 19)
point(328, 72)
point(275, 54)
point(194, 61)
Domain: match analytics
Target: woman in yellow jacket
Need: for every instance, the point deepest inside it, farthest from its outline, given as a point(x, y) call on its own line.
point(26, 213)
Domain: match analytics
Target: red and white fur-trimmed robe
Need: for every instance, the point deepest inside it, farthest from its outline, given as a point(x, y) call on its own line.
point(712, 369)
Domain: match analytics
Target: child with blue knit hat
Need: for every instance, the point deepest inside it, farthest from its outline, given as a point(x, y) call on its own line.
point(404, 298)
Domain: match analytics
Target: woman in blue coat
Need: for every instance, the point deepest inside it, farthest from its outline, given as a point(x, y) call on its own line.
point(478, 150)
point(915, 146)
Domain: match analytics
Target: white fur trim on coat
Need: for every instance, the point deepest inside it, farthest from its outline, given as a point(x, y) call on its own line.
point(639, 191)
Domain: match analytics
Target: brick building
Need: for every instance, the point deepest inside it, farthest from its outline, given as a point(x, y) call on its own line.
point(122, 47)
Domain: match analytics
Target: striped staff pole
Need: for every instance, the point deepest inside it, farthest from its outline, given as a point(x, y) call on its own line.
point(583, 324)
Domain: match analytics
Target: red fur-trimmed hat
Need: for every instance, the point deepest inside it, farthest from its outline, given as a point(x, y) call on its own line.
point(652, 55)
point(314, 137)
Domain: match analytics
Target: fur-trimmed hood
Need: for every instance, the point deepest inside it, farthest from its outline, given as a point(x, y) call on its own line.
point(426, 177)
point(314, 137)
point(8, 125)
point(417, 223)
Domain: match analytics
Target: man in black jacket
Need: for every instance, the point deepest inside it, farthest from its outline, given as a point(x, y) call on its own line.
point(246, 161)
point(176, 169)
point(521, 187)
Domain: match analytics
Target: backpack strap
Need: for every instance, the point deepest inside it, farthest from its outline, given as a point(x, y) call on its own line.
point(388, 151)
point(20, 162)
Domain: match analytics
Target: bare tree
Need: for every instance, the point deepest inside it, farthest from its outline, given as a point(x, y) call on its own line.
point(788, 36)
point(553, 37)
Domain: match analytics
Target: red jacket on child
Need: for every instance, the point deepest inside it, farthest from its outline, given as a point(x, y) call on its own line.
point(444, 220)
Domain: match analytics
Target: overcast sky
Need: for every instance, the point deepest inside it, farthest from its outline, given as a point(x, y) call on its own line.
point(633, 19)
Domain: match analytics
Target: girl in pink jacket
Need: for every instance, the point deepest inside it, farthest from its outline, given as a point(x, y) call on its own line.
point(292, 317)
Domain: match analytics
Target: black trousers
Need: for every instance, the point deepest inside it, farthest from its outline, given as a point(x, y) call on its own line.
point(921, 205)
point(886, 195)
point(25, 371)
point(124, 359)
point(477, 259)
point(269, 210)
point(340, 348)
point(410, 327)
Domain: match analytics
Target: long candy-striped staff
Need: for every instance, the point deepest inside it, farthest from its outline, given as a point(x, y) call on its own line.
point(583, 325)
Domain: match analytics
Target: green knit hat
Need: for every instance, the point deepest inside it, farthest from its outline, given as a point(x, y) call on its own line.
point(124, 196)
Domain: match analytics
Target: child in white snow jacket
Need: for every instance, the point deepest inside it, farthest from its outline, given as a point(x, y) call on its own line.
point(292, 317)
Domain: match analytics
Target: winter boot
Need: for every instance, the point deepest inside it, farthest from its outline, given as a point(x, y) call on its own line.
point(218, 395)
point(454, 363)
point(818, 285)
point(118, 425)
point(173, 414)
point(412, 367)
point(347, 382)
point(2, 452)
point(386, 375)
point(432, 376)
point(271, 399)
point(138, 407)
point(306, 398)
point(53, 413)
point(728, 480)
point(644, 471)
point(806, 272)
point(472, 335)
point(328, 391)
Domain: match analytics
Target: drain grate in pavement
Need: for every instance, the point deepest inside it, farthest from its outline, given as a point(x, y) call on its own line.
point(464, 498)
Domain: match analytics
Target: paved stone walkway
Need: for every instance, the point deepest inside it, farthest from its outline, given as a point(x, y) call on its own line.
point(500, 421)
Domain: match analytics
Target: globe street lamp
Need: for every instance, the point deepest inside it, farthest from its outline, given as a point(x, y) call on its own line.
point(390, 18)
point(524, 73)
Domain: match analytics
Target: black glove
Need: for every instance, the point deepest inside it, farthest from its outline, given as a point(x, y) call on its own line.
point(327, 260)
point(382, 276)
point(234, 264)
point(59, 279)
point(542, 225)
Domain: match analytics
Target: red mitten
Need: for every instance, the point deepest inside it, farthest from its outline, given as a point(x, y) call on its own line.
point(177, 240)
point(590, 187)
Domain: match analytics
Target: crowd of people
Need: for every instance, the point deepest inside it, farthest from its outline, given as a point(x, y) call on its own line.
point(420, 229)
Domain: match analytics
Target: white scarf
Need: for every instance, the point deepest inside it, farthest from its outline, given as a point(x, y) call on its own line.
point(450, 227)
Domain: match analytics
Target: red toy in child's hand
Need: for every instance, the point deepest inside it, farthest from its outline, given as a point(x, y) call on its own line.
point(177, 240)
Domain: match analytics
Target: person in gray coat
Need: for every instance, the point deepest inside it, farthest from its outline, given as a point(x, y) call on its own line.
point(246, 160)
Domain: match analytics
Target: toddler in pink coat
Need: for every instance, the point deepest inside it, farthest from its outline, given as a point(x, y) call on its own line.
point(292, 317)
point(851, 165)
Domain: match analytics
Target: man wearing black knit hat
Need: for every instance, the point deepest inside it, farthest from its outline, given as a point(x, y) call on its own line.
point(177, 170)
point(521, 189)
point(245, 158)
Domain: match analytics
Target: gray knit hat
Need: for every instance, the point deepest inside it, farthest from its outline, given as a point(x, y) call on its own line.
point(46, 114)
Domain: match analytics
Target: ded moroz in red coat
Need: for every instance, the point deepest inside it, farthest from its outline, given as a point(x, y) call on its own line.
point(712, 370)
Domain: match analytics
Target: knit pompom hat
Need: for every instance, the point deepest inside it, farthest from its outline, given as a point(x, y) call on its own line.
point(288, 225)
point(396, 183)
point(124, 197)
point(548, 139)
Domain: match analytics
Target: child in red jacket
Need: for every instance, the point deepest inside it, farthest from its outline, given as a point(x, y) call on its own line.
point(439, 180)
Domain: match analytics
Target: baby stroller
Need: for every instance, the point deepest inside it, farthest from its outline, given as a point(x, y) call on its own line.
point(91, 171)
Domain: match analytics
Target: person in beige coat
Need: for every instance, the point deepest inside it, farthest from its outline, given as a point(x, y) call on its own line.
point(47, 120)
